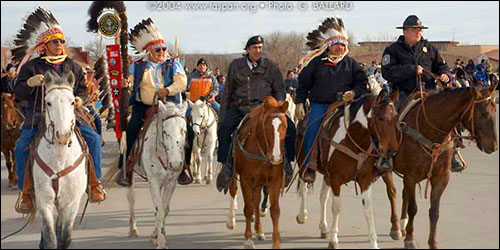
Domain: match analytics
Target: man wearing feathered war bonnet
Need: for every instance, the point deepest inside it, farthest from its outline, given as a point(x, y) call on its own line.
point(325, 72)
point(41, 33)
point(156, 74)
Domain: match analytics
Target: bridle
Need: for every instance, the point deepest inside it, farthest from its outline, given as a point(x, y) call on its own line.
point(159, 130)
point(51, 126)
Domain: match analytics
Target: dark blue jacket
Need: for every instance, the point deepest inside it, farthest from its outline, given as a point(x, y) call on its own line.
point(320, 81)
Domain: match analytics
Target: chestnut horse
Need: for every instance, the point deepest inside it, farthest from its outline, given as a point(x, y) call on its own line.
point(431, 158)
point(348, 153)
point(258, 160)
point(11, 127)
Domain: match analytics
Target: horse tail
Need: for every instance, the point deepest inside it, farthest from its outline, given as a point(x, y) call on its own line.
point(107, 179)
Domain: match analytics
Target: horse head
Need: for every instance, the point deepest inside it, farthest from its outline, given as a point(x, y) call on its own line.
point(384, 121)
point(482, 121)
point(11, 118)
point(268, 125)
point(173, 132)
point(60, 106)
point(199, 115)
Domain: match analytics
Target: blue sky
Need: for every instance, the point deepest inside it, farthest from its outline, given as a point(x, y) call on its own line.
point(217, 31)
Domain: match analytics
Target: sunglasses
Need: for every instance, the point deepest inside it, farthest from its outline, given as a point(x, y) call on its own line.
point(161, 49)
point(56, 41)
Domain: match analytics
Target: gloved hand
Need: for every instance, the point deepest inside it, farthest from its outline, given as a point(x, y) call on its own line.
point(35, 80)
point(348, 96)
point(299, 111)
point(78, 102)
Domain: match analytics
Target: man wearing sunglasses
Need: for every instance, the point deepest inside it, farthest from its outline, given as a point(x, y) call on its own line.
point(408, 57)
point(155, 76)
point(53, 57)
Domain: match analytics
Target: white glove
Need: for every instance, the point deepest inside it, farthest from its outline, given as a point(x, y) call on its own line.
point(35, 80)
point(348, 96)
point(299, 111)
point(78, 102)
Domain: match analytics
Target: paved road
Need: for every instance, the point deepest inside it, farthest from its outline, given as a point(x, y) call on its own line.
point(468, 216)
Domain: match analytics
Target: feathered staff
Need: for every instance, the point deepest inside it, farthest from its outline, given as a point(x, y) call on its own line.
point(101, 76)
point(329, 32)
point(95, 10)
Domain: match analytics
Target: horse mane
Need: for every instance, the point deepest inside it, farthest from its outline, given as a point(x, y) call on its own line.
point(258, 113)
point(172, 110)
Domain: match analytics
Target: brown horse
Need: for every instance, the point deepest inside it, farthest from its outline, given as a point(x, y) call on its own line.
point(11, 127)
point(417, 161)
point(258, 160)
point(351, 155)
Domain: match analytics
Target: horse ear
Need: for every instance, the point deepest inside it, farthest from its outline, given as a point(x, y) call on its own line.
point(183, 106)
point(71, 79)
point(284, 107)
point(476, 94)
point(381, 95)
point(190, 103)
point(161, 107)
point(48, 77)
point(395, 96)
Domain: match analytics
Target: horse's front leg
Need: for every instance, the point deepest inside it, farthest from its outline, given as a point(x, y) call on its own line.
point(391, 194)
point(208, 162)
point(439, 184)
point(336, 209)
point(133, 231)
point(14, 171)
point(366, 195)
point(258, 225)
point(167, 192)
point(48, 239)
point(8, 163)
point(409, 196)
point(248, 211)
point(302, 216)
point(231, 217)
point(64, 225)
point(197, 161)
point(323, 200)
point(274, 195)
point(154, 188)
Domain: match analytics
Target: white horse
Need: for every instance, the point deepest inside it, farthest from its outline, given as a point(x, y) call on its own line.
point(204, 121)
point(162, 160)
point(59, 172)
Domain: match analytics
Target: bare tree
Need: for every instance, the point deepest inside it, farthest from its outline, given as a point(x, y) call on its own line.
point(285, 49)
point(96, 48)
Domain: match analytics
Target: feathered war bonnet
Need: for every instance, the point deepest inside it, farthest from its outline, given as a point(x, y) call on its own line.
point(40, 27)
point(331, 31)
point(145, 36)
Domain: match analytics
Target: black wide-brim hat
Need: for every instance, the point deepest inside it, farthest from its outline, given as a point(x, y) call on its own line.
point(412, 21)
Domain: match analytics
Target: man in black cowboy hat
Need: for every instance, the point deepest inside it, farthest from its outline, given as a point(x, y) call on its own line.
point(249, 79)
point(408, 57)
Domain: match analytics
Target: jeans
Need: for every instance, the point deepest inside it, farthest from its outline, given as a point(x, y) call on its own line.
point(316, 117)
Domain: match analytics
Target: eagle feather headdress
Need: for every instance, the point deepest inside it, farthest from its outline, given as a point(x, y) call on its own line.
point(145, 35)
point(329, 32)
point(40, 27)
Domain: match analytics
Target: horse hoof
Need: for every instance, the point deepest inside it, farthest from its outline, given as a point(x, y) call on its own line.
point(325, 236)
point(230, 225)
point(249, 245)
point(333, 245)
point(133, 233)
point(396, 234)
point(410, 244)
point(261, 237)
point(299, 221)
point(208, 181)
point(153, 240)
point(197, 181)
point(263, 212)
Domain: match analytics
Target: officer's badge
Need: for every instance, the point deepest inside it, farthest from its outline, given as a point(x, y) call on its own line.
point(424, 49)
point(386, 59)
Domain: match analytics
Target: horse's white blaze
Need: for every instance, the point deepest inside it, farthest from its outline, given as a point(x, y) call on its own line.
point(276, 144)
point(370, 218)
